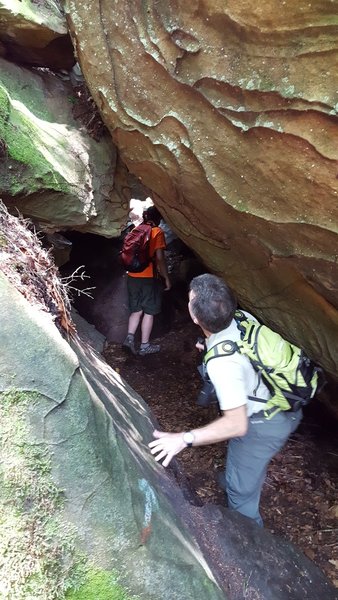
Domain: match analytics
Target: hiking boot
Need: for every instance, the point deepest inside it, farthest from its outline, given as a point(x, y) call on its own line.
point(149, 349)
point(129, 344)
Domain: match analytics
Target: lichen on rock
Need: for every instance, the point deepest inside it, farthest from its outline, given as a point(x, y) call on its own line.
point(52, 170)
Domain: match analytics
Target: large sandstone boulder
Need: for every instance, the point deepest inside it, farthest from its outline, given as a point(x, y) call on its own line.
point(227, 110)
point(50, 168)
point(35, 33)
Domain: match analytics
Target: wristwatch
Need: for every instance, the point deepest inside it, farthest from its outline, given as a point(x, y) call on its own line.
point(188, 438)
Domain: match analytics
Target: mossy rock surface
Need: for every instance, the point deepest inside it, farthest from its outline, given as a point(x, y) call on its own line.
point(51, 169)
point(99, 585)
point(23, 131)
point(123, 524)
point(46, 13)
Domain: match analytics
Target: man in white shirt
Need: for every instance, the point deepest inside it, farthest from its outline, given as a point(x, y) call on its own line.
point(253, 439)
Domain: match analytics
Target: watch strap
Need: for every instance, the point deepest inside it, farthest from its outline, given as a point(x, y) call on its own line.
point(188, 438)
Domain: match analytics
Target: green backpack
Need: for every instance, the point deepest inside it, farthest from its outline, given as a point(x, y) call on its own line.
point(290, 376)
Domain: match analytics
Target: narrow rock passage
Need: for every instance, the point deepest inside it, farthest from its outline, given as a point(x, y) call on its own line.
point(299, 500)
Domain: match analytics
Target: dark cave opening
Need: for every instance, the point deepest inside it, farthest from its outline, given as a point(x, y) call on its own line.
point(98, 289)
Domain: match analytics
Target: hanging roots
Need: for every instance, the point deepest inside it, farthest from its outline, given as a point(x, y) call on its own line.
point(30, 268)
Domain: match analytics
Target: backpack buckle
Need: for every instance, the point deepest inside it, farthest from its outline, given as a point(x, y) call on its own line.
point(229, 347)
point(269, 413)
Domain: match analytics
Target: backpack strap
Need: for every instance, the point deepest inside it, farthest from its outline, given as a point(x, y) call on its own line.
point(226, 348)
point(239, 317)
point(152, 260)
point(245, 331)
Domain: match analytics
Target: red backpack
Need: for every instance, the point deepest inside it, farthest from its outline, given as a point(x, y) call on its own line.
point(135, 249)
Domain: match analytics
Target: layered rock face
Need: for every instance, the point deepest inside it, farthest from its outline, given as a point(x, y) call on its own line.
point(227, 111)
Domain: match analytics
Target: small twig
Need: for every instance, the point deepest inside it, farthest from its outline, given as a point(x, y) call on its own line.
point(330, 544)
point(75, 275)
point(85, 291)
point(325, 530)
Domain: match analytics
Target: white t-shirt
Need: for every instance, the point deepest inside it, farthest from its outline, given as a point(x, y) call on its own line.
point(233, 377)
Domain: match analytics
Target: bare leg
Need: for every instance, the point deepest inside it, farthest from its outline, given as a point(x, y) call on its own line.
point(134, 320)
point(146, 327)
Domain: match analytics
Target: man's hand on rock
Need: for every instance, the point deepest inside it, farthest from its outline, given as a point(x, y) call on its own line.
point(166, 446)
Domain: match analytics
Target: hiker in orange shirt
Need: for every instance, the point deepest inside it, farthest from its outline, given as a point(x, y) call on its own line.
point(145, 288)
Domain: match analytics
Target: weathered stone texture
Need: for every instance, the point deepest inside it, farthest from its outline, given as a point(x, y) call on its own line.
point(50, 168)
point(227, 110)
point(35, 33)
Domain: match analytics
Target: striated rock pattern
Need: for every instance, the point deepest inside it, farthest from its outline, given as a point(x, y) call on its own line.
point(227, 110)
point(35, 33)
point(51, 170)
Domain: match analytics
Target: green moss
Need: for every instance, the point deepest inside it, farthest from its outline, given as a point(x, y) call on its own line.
point(100, 585)
point(47, 12)
point(37, 549)
point(23, 8)
point(38, 556)
point(25, 138)
point(4, 108)
point(27, 91)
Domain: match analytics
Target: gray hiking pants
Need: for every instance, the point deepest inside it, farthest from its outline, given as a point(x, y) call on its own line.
point(248, 458)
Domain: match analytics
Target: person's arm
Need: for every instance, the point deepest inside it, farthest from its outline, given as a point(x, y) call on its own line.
point(233, 423)
point(161, 266)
